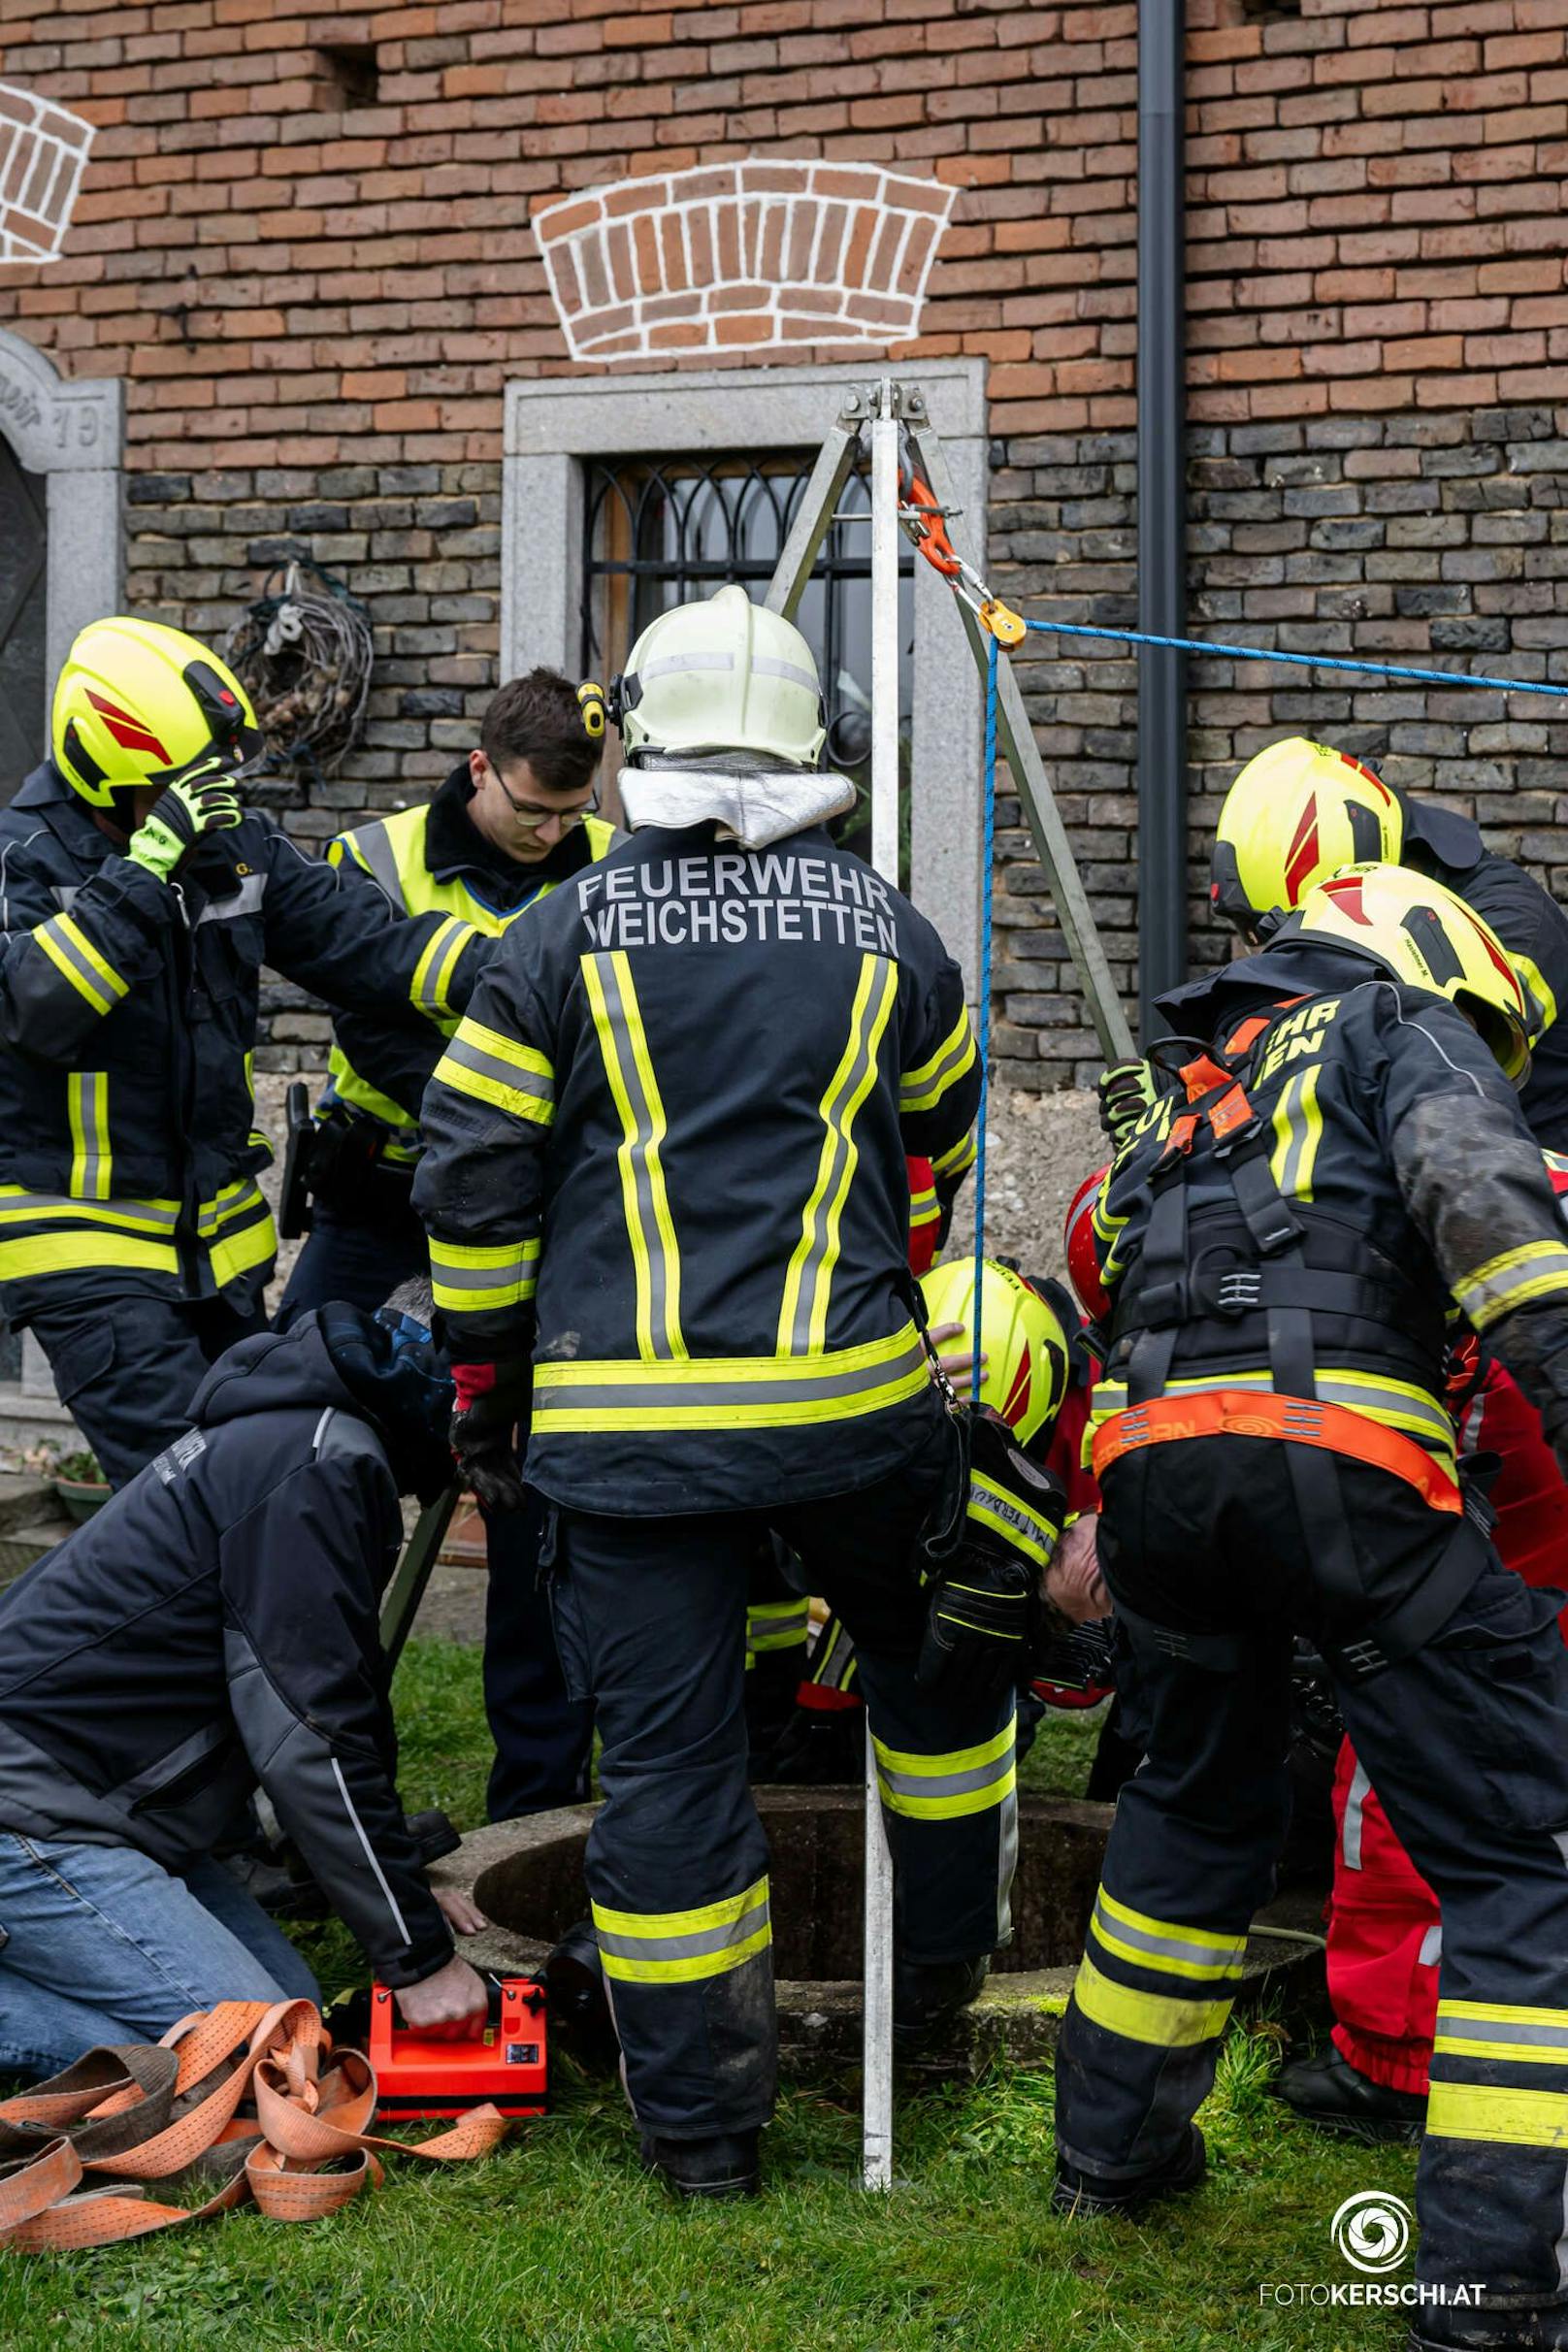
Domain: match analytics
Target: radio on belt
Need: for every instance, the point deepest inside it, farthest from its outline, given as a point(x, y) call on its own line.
point(418, 2075)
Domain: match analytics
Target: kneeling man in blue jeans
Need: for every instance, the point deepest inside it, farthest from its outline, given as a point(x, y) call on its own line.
point(212, 1630)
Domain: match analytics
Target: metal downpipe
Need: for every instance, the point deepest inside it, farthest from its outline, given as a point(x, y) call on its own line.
point(1161, 506)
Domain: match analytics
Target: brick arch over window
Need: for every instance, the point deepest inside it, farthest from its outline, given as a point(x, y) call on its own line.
point(74, 435)
point(742, 256)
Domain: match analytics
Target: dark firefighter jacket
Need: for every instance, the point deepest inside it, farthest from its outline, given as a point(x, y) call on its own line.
point(128, 1147)
point(431, 858)
point(1398, 1149)
point(694, 1073)
point(214, 1627)
point(1533, 928)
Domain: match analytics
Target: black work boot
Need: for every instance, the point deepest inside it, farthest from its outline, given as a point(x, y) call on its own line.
point(1334, 2095)
point(728, 2164)
point(929, 1994)
point(1090, 2192)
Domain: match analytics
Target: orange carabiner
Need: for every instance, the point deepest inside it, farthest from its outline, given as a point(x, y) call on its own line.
point(921, 509)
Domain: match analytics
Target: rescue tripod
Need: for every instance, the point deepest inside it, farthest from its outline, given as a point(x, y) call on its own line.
point(910, 489)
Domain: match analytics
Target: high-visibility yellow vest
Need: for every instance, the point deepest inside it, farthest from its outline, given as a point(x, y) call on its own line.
point(392, 850)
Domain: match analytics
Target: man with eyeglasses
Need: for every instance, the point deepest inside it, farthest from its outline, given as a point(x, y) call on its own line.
point(513, 820)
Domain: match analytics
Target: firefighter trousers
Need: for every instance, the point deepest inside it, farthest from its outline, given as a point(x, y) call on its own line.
point(1466, 1741)
point(651, 1619)
point(543, 1735)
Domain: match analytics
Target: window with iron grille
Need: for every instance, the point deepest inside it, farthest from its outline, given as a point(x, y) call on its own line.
point(657, 531)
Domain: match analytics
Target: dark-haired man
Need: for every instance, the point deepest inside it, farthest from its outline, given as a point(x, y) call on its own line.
point(512, 821)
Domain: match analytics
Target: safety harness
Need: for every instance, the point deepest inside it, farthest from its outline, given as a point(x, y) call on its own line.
point(1221, 1267)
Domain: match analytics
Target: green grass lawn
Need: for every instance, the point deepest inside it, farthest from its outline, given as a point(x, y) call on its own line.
point(558, 2243)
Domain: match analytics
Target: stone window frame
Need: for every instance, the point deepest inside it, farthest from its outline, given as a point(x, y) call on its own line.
point(73, 433)
point(553, 423)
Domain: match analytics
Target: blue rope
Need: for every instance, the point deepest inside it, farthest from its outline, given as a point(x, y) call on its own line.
point(984, 1007)
point(1140, 636)
point(1301, 660)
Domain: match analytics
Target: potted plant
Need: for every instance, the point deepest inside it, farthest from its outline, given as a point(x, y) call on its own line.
point(80, 1485)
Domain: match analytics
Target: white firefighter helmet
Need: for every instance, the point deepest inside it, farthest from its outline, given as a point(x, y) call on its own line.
point(723, 674)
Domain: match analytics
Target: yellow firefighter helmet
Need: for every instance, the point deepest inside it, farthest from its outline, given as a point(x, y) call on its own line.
point(1026, 1376)
point(1297, 812)
point(136, 702)
point(1429, 938)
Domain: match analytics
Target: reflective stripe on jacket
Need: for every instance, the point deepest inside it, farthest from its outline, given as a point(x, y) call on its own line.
point(395, 852)
point(128, 1143)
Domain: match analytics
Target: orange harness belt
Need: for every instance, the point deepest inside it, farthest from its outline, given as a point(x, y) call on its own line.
point(240, 2091)
point(1240, 1413)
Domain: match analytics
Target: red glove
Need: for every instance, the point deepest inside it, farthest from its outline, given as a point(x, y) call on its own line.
point(492, 1400)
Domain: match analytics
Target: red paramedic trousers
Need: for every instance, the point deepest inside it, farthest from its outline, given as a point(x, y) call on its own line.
point(1385, 1932)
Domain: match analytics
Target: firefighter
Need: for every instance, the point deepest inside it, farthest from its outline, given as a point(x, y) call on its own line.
point(139, 900)
point(1032, 1377)
point(212, 1630)
point(1300, 810)
point(1274, 1454)
point(512, 821)
point(1295, 813)
point(698, 1071)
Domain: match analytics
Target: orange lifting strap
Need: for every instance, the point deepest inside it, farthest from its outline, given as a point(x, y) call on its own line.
point(1301, 1419)
point(240, 2092)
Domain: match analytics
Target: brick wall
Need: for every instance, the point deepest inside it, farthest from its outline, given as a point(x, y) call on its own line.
point(302, 239)
point(1431, 539)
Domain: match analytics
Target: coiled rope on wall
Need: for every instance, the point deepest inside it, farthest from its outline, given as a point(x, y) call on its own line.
point(304, 653)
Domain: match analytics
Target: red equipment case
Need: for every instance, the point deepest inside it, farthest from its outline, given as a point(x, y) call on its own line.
point(417, 2076)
